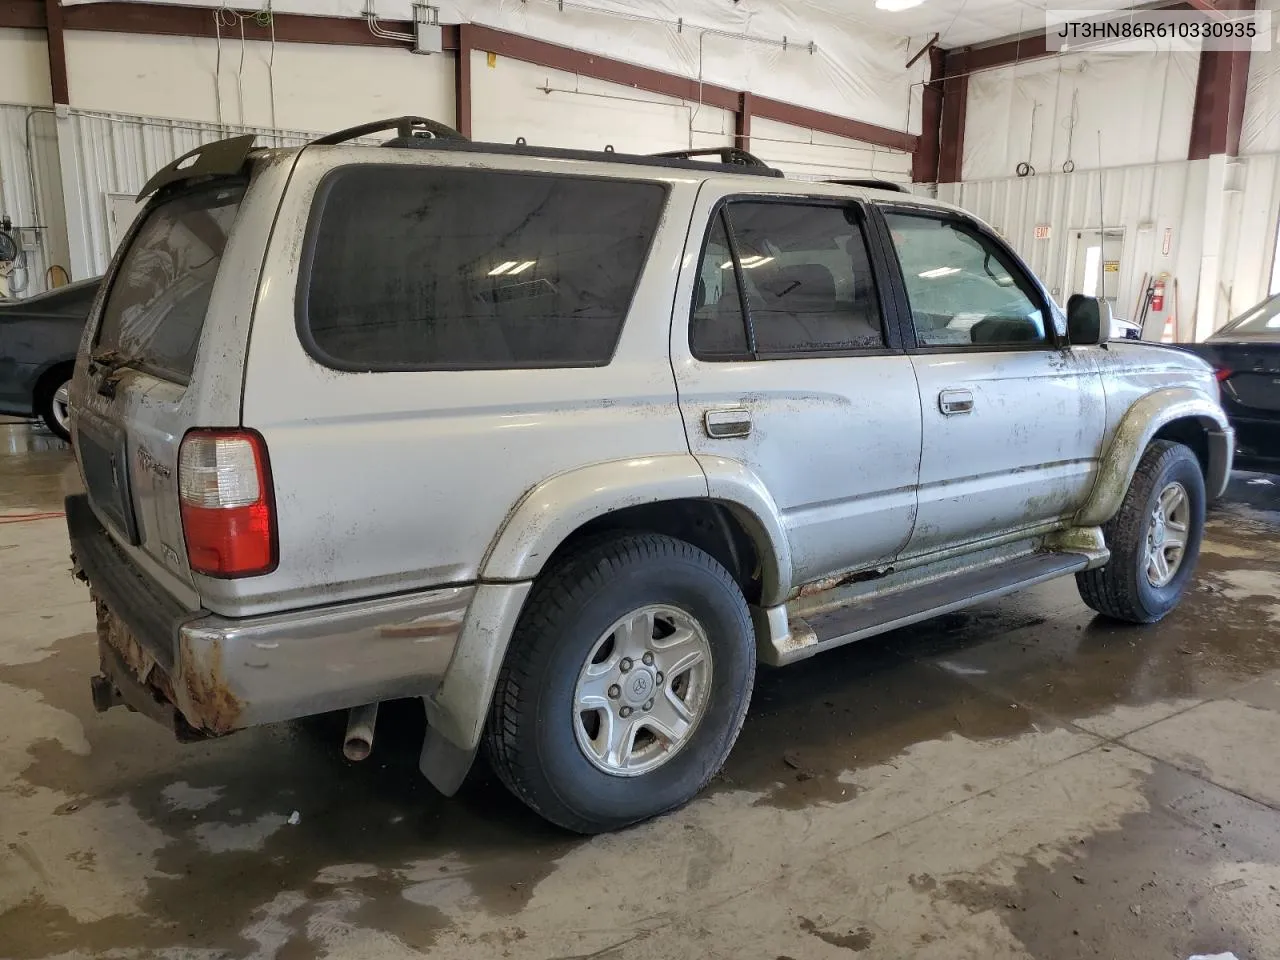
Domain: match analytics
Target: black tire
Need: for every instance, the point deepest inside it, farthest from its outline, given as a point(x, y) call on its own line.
point(530, 736)
point(45, 398)
point(1121, 589)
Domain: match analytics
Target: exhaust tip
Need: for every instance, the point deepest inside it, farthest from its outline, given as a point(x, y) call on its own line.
point(356, 748)
point(357, 744)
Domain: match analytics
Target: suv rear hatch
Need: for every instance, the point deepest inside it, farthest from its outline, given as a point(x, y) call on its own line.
point(164, 353)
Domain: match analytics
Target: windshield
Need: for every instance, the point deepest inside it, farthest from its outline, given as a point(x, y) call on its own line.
point(1264, 320)
point(155, 310)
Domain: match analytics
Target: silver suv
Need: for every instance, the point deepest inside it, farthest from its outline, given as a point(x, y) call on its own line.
point(565, 442)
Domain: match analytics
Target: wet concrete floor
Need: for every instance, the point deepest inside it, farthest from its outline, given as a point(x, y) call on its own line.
point(1017, 780)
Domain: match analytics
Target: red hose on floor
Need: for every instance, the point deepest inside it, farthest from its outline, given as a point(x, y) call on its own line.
point(24, 517)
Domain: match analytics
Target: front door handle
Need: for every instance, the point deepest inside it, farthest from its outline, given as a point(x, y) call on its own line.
point(724, 424)
point(954, 402)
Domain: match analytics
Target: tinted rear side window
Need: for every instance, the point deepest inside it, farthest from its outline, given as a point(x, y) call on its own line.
point(160, 293)
point(415, 268)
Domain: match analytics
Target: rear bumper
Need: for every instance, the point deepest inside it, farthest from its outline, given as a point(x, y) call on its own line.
point(209, 675)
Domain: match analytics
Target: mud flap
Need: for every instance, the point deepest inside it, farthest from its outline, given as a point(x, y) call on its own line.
point(444, 764)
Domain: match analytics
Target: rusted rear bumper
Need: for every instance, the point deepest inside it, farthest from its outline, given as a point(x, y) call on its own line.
point(206, 675)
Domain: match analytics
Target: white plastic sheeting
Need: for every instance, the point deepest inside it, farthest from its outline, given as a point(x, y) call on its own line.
point(854, 71)
point(806, 154)
point(512, 99)
point(115, 155)
point(307, 86)
point(1260, 132)
point(1140, 103)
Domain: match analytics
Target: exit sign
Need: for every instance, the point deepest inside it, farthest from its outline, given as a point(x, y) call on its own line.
point(1042, 231)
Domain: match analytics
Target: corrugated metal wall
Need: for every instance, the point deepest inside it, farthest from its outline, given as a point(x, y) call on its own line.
point(1145, 202)
point(116, 154)
point(31, 195)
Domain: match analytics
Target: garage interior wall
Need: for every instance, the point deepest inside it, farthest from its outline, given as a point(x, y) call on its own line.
point(1219, 214)
point(139, 101)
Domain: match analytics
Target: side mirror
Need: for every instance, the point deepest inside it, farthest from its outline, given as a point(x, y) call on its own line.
point(1088, 320)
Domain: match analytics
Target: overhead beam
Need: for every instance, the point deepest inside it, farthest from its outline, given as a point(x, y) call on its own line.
point(742, 122)
point(955, 106)
point(924, 162)
point(171, 20)
point(57, 47)
point(1217, 116)
point(462, 82)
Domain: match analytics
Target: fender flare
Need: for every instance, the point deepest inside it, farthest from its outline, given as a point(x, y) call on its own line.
point(538, 524)
point(1137, 428)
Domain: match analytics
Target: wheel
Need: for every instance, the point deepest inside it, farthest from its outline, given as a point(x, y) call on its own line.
point(625, 685)
point(1154, 538)
point(53, 405)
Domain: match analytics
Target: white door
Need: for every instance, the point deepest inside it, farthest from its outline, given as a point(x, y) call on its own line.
point(1013, 422)
point(803, 387)
point(1095, 265)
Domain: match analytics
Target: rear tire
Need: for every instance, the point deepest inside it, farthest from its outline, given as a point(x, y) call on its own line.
point(52, 403)
point(1148, 571)
point(589, 650)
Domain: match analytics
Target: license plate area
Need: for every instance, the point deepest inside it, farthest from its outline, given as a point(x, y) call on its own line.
point(104, 457)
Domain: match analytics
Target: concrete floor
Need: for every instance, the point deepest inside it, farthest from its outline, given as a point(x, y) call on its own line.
point(1018, 780)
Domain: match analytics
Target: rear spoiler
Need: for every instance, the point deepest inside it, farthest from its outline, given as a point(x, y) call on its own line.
point(222, 158)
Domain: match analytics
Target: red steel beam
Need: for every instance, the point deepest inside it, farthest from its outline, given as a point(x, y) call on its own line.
point(22, 14)
point(955, 104)
point(57, 47)
point(924, 162)
point(1218, 113)
point(556, 57)
point(742, 122)
point(462, 81)
point(175, 21)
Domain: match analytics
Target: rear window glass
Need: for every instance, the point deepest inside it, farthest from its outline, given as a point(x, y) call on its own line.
point(159, 296)
point(418, 268)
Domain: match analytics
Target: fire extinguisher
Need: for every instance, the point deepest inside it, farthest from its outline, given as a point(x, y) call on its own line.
point(1157, 294)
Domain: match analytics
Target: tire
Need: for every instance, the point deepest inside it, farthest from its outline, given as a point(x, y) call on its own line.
point(538, 739)
point(50, 401)
point(1124, 589)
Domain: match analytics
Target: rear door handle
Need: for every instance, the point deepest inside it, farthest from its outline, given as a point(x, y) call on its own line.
point(724, 424)
point(954, 402)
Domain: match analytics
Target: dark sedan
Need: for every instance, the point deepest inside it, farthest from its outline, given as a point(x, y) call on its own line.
point(1246, 356)
point(39, 337)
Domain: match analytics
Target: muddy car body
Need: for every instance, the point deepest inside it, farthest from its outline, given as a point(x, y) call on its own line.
point(562, 442)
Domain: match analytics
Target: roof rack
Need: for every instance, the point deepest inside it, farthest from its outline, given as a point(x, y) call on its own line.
point(872, 184)
point(419, 133)
point(730, 156)
point(406, 128)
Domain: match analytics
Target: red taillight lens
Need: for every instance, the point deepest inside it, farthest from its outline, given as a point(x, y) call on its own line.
point(1222, 374)
point(228, 514)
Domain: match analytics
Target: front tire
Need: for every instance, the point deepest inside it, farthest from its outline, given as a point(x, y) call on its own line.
point(625, 685)
point(1154, 538)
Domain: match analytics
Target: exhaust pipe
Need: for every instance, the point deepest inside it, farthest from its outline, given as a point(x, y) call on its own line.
point(358, 743)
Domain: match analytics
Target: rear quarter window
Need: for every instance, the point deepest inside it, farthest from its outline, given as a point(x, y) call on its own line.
point(422, 268)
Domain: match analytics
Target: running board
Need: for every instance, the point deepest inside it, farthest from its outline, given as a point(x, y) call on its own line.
point(879, 614)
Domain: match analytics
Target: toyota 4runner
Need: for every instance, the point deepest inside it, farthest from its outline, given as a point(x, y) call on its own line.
point(565, 442)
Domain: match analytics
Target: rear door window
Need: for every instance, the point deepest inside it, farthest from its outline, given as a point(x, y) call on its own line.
point(159, 296)
point(420, 268)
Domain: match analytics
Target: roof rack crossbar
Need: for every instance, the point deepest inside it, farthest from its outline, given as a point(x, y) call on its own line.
point(733, 156)
point(872, 184)
point(403, 126)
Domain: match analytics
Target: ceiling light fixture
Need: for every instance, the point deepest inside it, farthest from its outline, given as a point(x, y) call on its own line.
point(896, 6)
point(502, 268)
point(521, 267)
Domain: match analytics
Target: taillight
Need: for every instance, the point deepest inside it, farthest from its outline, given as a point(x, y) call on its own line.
point(1222, 374)
point(228, 514)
